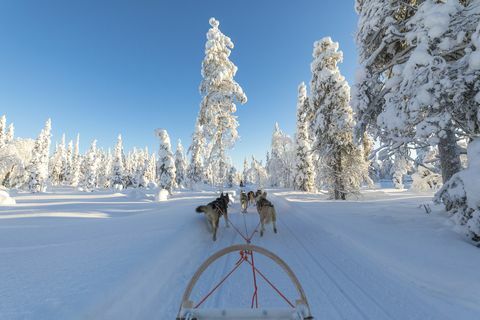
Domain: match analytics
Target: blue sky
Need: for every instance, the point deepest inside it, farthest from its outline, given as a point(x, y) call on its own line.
point(100, 68)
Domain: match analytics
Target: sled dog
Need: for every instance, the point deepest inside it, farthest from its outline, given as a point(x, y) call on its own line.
point(251, 198)
point(214, 210)
point(243, 201)
point(266, 210)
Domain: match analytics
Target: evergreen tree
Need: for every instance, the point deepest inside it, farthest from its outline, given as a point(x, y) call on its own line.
point(117, 179)
point(305, 170)
point(3, 124)
point(195, 172)
point(181, 166)
point(69, 164)
point(220, 92)
point(166, 163)
point(76, 164)
point(9, 134)
point(90, 165)
point(344, 166)
point(281, 164)
point(245, 172)
point(38, 167)
point(58, 163)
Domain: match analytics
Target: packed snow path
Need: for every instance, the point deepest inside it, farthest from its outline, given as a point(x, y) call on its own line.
point(72, 255)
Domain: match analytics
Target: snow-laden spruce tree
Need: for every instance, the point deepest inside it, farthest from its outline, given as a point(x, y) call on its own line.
point(281, 163)
point(343, 162)
point(38, 168)
point(104, 173)
point(399, 169)
point(3, 125)
point(245, 172)
point(166, 163)
point(195, 172)
point(304, 168)
point(90, 168)
point(9, 135)
point(180, 166)
point(75, 174)
point(58, 163)
point(68, 168)
point(220, 92)
point(117, 180)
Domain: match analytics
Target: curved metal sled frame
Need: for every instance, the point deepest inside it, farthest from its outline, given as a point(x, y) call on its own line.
point(301, 311)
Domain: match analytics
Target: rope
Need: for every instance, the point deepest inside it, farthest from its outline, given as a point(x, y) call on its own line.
point(237, 264)
point(271, 284)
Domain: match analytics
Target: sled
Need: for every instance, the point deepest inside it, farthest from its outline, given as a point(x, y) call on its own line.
point(190, 310)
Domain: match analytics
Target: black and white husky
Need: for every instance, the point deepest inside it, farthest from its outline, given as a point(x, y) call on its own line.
point(243, 201)
point(266, 210)
point(214, 210)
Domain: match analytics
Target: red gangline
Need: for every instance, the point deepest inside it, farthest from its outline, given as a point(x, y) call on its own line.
point(239, 262)
point(271, 284)
point(255, 292)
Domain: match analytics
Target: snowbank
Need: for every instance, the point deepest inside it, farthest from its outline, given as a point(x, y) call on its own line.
point(162, 195)
point(136, 194)
point(5, 199)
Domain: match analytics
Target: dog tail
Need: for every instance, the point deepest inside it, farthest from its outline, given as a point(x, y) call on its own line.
point(201, 209)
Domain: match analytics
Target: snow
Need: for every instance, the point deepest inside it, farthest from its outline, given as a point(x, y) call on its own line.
point(5, 199)
point(162, 195)
point(102, 255)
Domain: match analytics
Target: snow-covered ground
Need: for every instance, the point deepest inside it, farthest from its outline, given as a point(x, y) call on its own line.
point(73, 255)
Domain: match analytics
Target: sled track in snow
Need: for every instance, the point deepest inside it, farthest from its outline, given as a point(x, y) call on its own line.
point(329, 273)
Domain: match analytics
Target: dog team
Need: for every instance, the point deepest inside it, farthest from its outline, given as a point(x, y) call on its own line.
point(219, 207)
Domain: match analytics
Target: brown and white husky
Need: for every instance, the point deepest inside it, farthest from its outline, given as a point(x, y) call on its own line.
point(266, 210)
point(243, 201)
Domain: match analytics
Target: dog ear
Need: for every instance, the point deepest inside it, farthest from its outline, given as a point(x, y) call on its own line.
point(265, 194)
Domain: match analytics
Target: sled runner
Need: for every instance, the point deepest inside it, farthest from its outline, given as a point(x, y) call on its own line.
point(298, 310)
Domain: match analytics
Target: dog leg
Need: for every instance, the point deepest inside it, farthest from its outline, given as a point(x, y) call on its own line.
point(214, 233)
point(226, 219)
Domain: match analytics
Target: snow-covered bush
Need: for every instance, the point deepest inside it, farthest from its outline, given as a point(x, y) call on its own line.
point(425, 180)
point(461, 194)
point(162, 195)
point(5, 199)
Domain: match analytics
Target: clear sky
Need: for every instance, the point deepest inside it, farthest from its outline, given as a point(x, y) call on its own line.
point(100, 68)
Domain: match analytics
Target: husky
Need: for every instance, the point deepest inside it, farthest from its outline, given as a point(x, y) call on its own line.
point(251, 197)
point(266, 210)
point(214, 210)
point(243, 201)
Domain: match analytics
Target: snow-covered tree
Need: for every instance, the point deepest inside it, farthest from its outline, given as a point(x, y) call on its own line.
point(461, 195)
point(195, 172)
point(180, 166)
point(281, 163)
point(257, 174)
point(427, 174)
point(305, 170)
point(104, 173)
point(3, 124)
point(220, 92)
point(117, 179)
point(399, 169)
point(75, 174)
point(90, 165)
point(9, 135)
point(343, 162)
point(58, 163)
point(38, 167)
point(166, 164)
point(245, 172)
